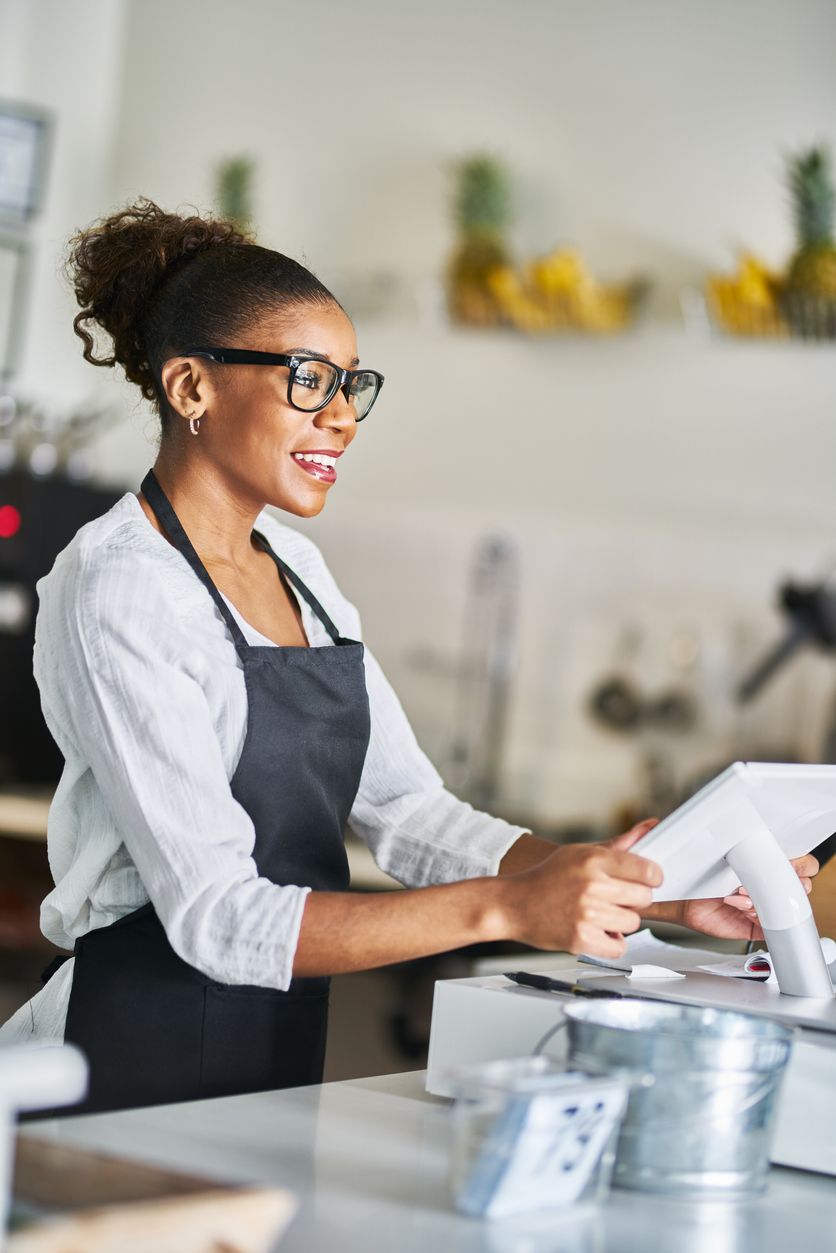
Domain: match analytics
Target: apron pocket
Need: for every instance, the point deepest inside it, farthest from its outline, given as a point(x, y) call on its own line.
point(136, 1011)
point(257, 1039)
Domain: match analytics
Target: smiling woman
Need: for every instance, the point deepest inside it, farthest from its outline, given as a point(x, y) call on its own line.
point(222, 724)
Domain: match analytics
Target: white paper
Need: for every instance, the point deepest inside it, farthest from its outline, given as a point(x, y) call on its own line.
point(654, 972)
point(759, 965)
point(736, 968)
point(643, 946)
point(644, 949)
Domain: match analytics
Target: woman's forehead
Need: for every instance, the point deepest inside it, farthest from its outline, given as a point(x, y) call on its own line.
point(318, 331)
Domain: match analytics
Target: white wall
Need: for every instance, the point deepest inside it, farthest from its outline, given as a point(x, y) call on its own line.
point(587, 587)
point(650, 426)
point(65, 55)
point(651, 133)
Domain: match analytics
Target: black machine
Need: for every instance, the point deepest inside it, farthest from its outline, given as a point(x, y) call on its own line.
point(811, 613)
point(811, 619)
point(38, 518)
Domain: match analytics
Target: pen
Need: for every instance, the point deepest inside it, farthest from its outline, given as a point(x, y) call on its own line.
point(544, 984)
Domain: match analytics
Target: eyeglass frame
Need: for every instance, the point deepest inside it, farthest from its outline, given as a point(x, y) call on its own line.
point(245, 356)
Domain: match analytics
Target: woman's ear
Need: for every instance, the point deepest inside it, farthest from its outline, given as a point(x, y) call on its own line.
point(185, 386)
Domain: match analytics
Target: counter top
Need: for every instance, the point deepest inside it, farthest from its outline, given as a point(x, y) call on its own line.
point(368, 1158)
point(23, 816)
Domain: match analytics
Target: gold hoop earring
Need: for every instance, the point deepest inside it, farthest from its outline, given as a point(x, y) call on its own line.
point(194, 423)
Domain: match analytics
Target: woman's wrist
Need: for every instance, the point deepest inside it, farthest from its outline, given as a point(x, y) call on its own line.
point(664, 911)
point(499, 909)
point(527, 850)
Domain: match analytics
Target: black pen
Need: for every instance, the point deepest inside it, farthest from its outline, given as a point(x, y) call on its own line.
point(544, 984)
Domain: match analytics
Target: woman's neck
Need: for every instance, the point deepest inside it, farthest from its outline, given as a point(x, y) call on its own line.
point(217, 519)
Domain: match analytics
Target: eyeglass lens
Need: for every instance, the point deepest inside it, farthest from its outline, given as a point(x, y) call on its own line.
point(313, 385)
point(316, 382)
point(362, 392)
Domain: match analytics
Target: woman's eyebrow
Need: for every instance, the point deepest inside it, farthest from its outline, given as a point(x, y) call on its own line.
point(320, 356)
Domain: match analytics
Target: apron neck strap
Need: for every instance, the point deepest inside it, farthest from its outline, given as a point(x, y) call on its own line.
point(301, 588)
point(173, 527)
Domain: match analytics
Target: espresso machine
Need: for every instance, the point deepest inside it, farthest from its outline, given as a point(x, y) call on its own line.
point(38, 518)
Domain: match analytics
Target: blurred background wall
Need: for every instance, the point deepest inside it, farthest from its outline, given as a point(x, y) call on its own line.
point(655, 487)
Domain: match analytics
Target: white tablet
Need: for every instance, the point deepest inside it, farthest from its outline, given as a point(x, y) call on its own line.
point(797, 803)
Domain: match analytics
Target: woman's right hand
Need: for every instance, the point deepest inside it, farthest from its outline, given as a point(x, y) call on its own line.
point(584, 898)
point(581, 897)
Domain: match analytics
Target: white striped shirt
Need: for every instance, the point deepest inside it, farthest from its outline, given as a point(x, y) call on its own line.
point(145, 695)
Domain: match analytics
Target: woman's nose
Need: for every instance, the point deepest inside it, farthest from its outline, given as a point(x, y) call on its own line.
point(337, 414)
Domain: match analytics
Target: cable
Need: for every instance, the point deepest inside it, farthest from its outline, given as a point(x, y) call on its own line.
point(541, 1044)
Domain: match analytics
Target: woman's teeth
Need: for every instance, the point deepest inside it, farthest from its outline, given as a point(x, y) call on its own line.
point(319, 459)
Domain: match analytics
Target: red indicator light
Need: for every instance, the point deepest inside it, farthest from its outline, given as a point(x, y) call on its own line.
point(9, 521)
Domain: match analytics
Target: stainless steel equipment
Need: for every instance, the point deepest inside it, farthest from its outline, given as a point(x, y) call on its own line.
point(705, 1125)
point(486, 670)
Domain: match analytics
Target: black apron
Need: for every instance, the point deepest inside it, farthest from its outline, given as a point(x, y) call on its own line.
point(156, 1029)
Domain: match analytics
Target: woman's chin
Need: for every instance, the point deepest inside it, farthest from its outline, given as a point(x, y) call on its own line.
point(303, 505)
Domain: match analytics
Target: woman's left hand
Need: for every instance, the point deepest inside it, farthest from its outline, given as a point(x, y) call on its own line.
point(734, 917)
point(727, 918)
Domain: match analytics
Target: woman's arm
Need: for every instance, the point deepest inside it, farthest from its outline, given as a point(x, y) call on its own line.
point(525, 852)
point(578, 897)
point(733, 918)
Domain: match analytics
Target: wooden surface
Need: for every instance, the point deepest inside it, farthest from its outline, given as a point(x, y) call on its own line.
point(243, 1220)
point(61, 1176)
point(824, 899)
point(139, 1208)
point(23, 816)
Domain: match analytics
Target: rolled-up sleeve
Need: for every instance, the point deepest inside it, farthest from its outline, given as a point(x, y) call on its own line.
point(418, 832)
point(139, 716)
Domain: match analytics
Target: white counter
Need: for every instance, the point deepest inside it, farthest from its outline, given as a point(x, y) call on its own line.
point(368, 1157)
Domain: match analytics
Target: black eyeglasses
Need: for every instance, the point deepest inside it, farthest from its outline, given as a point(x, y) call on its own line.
point(312, 383)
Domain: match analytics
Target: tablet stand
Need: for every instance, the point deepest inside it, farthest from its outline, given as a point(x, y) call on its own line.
point(782, 905)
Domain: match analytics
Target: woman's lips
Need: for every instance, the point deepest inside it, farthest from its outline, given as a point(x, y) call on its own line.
point(319, 465)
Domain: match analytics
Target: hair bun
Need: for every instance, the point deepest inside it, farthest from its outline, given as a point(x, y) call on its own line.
point(119, 265)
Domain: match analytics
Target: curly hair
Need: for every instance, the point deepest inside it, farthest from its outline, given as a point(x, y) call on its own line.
point(159, 283)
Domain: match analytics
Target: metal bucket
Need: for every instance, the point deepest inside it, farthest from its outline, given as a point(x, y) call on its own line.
point(705, 1125)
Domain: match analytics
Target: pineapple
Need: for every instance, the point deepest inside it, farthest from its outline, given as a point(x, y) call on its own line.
point(482, 207)
point(575, 300)
point(746, 303)
point(554, 293)
point(233, 190)
point(519, 306)
point(810, 285)
point(558, 293)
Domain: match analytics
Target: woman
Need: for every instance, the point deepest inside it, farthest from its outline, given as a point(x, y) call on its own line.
point(221, 723)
